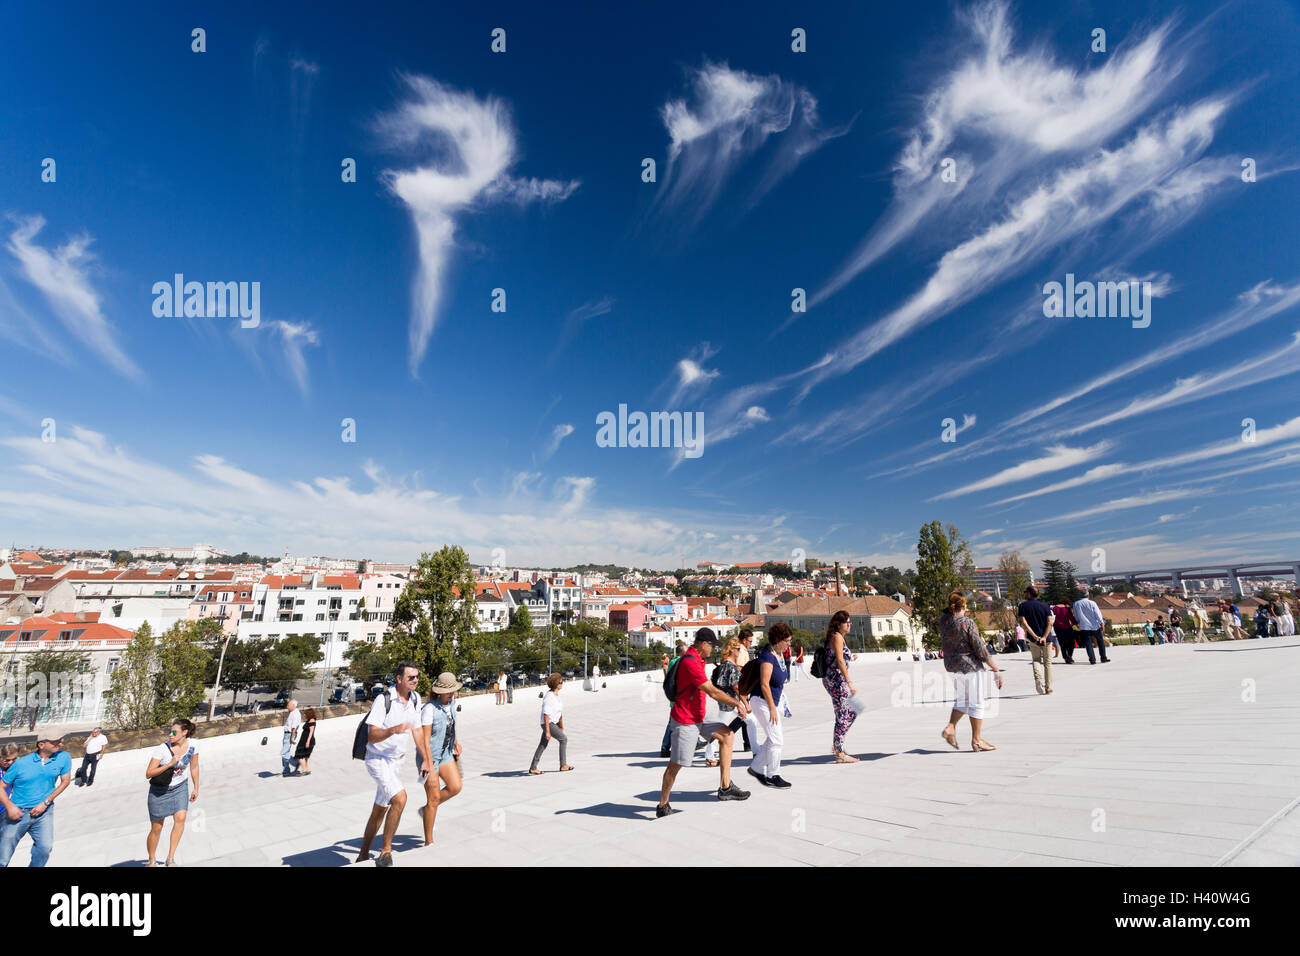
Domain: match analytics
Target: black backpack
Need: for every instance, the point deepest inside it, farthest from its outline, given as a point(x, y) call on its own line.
point(818, 667)
point(670, 680)
point(748, 682)
point(362, 736)
point(713, 677)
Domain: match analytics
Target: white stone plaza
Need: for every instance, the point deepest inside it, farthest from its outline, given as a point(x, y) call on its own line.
point(1170, 755)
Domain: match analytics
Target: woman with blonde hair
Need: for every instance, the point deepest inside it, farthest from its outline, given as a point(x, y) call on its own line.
point(725, 677)
point(965, 656)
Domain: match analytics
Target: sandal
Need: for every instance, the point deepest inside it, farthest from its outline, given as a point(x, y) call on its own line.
point(710, 763)
point(535, 773)
point(982, 745)
point(566, 767)
point(950, 738)
point(171, 862)
point(845, 758)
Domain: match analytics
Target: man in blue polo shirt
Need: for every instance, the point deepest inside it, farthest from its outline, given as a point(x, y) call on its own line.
point(36, 780)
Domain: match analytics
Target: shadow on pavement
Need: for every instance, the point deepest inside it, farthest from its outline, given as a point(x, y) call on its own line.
point(687, 796)
point(621, 810)
point(646, 753)
point(345, 851)
point(827, 758)
point(506, 773)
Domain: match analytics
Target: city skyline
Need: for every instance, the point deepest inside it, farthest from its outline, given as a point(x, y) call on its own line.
point(915, 180)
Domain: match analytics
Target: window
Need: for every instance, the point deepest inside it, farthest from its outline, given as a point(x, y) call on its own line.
point(343, 636)
point(320, 602)
point(320, 617)
point(112, 664)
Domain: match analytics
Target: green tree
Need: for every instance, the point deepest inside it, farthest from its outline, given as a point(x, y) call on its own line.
point(244, 664)
point(434, 623)
point(521, 620)
point(132, 688)
point(183, 659)
point(942, 556)
point(288, 660)
point(1058, 576)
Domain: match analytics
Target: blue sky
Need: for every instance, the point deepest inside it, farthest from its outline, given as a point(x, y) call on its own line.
point(776, 170)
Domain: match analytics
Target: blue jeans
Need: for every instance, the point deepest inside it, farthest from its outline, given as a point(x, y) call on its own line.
point(286, 754)
point(41, 830)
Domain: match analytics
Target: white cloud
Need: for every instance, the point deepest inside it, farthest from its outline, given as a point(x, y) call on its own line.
point(83, 489)
point(729, 116)
point(294, 337)
point(558, 434)
point(1059, 457)
point(1121, 504)
point(1074, 201)
point(473, 145)
point(689, 374)
point(997, 112)
point(63, 276)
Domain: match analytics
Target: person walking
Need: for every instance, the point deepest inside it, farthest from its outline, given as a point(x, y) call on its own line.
point(292, 721)
point(8, 754)
point(746, 638)
point(666, 744)
point(393, 721)
point(1149, 631)
point(838, 684)
point(1090, 625)
point(306, 742)
point(172, 765)
point(552, 725)
point(31, 785)
point(502, 680)
point(765, 701)
point(797, 671)
point(1063, 627)
point(1198, 617)
point(1160, 629)
point(725, 677)
point(1286, 620)
point(1233, 618)
point(1021, 643)
point(688, 723)
point(438, 750)
point(966, 658)
point(94, 745)
point(595, 678)
point(1036, 619)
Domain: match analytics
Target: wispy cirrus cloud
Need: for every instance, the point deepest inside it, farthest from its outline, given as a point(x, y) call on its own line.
point(689, 375)
point(294, 338)
point(63, 275)
point(471, 143)
point(999, 111)
point(558, 434)
point(1072, 201)
point(729, 115)
point(1059, 457)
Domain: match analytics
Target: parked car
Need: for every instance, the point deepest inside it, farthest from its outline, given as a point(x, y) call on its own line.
point(281, 701)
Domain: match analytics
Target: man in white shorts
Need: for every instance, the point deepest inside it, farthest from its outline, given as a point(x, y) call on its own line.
point(394, 715)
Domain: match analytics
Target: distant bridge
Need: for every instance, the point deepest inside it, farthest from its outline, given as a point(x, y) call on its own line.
point(1176, 576)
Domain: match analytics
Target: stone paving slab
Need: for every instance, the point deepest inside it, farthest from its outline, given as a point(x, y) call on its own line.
point(1170, 755)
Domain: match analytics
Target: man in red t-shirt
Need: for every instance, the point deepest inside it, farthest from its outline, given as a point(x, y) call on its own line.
point(687, 724)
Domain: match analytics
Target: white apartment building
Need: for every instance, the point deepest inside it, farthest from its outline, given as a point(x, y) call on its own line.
point(324, 606)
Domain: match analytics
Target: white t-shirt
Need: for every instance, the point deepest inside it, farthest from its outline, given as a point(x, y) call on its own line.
point(180, 772)
point(400, 713)
point(96, 744)
point(595, 670)
point(293, 721)
point(552, 709)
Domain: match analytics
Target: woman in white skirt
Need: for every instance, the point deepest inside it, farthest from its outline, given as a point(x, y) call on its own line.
point(966, 657)
point(172, 766)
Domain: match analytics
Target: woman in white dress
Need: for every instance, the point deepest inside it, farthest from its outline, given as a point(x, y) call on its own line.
point(1285, 622)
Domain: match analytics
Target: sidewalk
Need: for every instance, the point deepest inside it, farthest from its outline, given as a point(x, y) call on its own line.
point(1170, 755)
